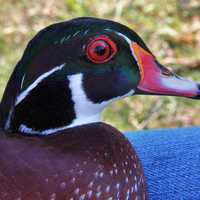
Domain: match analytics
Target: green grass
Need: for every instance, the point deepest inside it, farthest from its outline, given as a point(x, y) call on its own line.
point(171, 30)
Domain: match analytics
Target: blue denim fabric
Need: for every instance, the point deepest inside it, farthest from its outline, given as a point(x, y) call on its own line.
point(171, 160)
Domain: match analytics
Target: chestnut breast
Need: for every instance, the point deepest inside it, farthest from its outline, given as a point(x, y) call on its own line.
point(93, 161)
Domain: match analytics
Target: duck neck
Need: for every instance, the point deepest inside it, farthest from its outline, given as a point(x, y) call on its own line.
point(52, 105)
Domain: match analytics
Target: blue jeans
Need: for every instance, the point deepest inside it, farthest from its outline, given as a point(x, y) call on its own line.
point(171, 160)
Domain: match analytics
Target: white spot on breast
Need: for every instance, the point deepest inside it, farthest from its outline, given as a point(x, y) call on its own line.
point(114, 165)
point(132, 189)
point(76, 191)
point(108, 188)
point(136, 187)
point(53, 196)
point(105, 154)
point(85, 162)
point(89, 193)
point(126, 179)
point(82, 197)
point(118, 195)
point(98, 187)
point(101, 174)
point(128, 194)
point(96, 174)
point(141, 180)
point(111, 172)
point(73, 180)
point(118, 185)
point(98, 194)
point(91, 184)
point(135, 178)
point(63, 185)
point(46, 180)
point(132, 157)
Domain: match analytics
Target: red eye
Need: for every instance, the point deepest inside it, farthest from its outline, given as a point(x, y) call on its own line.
point(101, 49)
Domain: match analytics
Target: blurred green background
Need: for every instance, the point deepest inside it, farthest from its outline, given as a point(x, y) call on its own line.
point(170, 28)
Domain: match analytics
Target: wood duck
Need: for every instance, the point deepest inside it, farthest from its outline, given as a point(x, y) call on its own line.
point(52, 143)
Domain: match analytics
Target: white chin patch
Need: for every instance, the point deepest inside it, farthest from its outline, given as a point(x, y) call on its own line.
point(87, 111)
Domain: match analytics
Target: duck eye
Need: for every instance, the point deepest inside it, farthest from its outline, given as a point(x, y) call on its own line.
point(101, 49)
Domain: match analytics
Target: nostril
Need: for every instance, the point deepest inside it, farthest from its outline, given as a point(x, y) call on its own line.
point(165, 71)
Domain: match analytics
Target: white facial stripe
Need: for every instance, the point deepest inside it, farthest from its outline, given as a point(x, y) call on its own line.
point(86, 111)
point(8, 121)
point(77, 32)
point(86, 31)
point(22, 82)
point(24, 129)
point(26, 92)
point(130, 45)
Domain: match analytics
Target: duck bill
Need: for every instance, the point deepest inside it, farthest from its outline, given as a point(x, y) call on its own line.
point(157, 79)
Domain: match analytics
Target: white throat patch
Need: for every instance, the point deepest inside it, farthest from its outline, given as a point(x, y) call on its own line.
point(87, 111)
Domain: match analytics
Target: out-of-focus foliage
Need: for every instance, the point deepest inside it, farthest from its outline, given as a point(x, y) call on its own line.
point(170, 28)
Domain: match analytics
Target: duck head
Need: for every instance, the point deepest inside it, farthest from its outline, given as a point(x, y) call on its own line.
point(71, 71)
